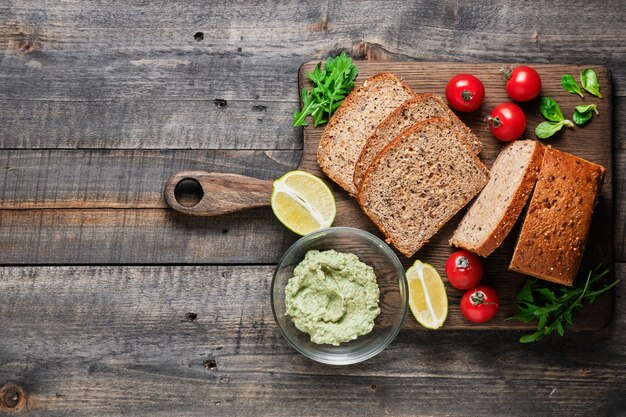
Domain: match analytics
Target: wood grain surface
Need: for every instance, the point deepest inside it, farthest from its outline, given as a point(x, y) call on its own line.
point(100, 103)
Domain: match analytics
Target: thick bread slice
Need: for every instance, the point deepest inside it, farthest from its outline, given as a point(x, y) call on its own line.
point(419, 181)
point(496, 209)
point(414, 110)
point(554, 233)
point(354, 121)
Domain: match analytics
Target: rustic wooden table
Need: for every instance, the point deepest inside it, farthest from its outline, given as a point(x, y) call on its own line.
point(111, 304)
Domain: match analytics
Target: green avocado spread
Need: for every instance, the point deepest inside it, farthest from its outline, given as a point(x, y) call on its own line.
point(333, 297)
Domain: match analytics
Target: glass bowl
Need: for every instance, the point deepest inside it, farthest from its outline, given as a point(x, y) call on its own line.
point(391, 282)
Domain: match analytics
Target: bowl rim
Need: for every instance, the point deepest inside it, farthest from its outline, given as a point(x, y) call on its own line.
point(348, 360)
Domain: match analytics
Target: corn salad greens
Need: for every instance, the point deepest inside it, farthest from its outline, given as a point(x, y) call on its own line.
point(330, 86)
point(553, 306)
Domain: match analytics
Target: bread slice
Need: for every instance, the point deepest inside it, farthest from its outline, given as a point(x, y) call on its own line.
point(496, 209)
point(414, 110)
point(419, 181)
point(354, 121)
point(554, 232)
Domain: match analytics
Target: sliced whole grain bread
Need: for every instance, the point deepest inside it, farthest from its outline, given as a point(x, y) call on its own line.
point(354, 121)
point(414, 110)
point(419, 181)
point(554, 233)
point(496, 209)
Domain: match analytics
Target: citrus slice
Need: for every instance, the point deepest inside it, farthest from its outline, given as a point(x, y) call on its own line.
point(302, 202)
point(427, 295)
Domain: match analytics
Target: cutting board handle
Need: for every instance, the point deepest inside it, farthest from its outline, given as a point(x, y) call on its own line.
point(216, 192)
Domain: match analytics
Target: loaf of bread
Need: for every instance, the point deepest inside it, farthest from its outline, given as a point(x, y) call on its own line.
point(414, 110)
point(496, 209)
point(554, 232)
point(354, 121)
point(419, 181)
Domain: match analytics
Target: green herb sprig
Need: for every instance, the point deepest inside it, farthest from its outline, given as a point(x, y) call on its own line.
point(553, 306)
point(330, 86)
point(551, 111)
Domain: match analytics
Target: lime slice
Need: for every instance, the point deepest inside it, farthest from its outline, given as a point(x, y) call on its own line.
point(302, 202)
point(427, 295)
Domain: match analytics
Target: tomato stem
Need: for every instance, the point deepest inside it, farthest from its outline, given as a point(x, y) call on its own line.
point(467, 95)
point(462, 262)
point(478, 298)
point(494, 121)
point(506, 73)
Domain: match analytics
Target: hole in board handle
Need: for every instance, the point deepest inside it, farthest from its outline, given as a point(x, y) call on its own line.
point(188, 192)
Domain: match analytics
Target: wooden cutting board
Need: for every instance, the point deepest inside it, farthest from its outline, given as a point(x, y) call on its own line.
point(592, 142)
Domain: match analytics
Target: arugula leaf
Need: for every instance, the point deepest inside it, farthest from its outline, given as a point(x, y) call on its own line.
point(589, 80)
point(331, 85)
point(538, 301)
point(550, 109)
point(546, 129)
point(570, 85)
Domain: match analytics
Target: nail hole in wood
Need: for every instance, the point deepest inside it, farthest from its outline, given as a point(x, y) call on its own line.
point(220, 103)
point(198, 36)
point(224, 231)
point(210, 364)
point(191, 316)
point(188, 192)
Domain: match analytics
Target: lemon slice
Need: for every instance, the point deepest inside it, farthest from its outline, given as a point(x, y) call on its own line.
point(302, 202)
point(427, 295)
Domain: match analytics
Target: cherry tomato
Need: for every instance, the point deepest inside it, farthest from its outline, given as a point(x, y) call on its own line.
point(465, 92)
point(523, 83)
point(480, 304)
point(464, 270)
point(507, 122)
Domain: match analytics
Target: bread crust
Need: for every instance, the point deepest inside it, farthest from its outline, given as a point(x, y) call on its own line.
point(555, 230)
point(345, 106)
point(469, 138)
point(389, 239)
point(495, 239)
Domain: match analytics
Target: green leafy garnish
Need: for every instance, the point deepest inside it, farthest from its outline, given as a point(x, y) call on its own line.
point(583, 113)
point(551, 111)
point(570, 85)
point(330, 86)
point(553, 306)
point(589, 80)
point(587, 108)
point(546, 129)
point(581, 118)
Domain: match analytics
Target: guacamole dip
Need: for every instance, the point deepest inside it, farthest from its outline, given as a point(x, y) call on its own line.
point(333, 297)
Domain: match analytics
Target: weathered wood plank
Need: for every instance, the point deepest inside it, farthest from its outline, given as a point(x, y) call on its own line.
point(148, 124)
point(130, 179)
point(118, 340)
point(127, 236)
point(132, 60)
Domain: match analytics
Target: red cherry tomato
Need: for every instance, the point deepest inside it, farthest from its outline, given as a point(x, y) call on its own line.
point(523, 83)
point(507, 122)
point(464, 270)
point(465, 92)
point(480, 304)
